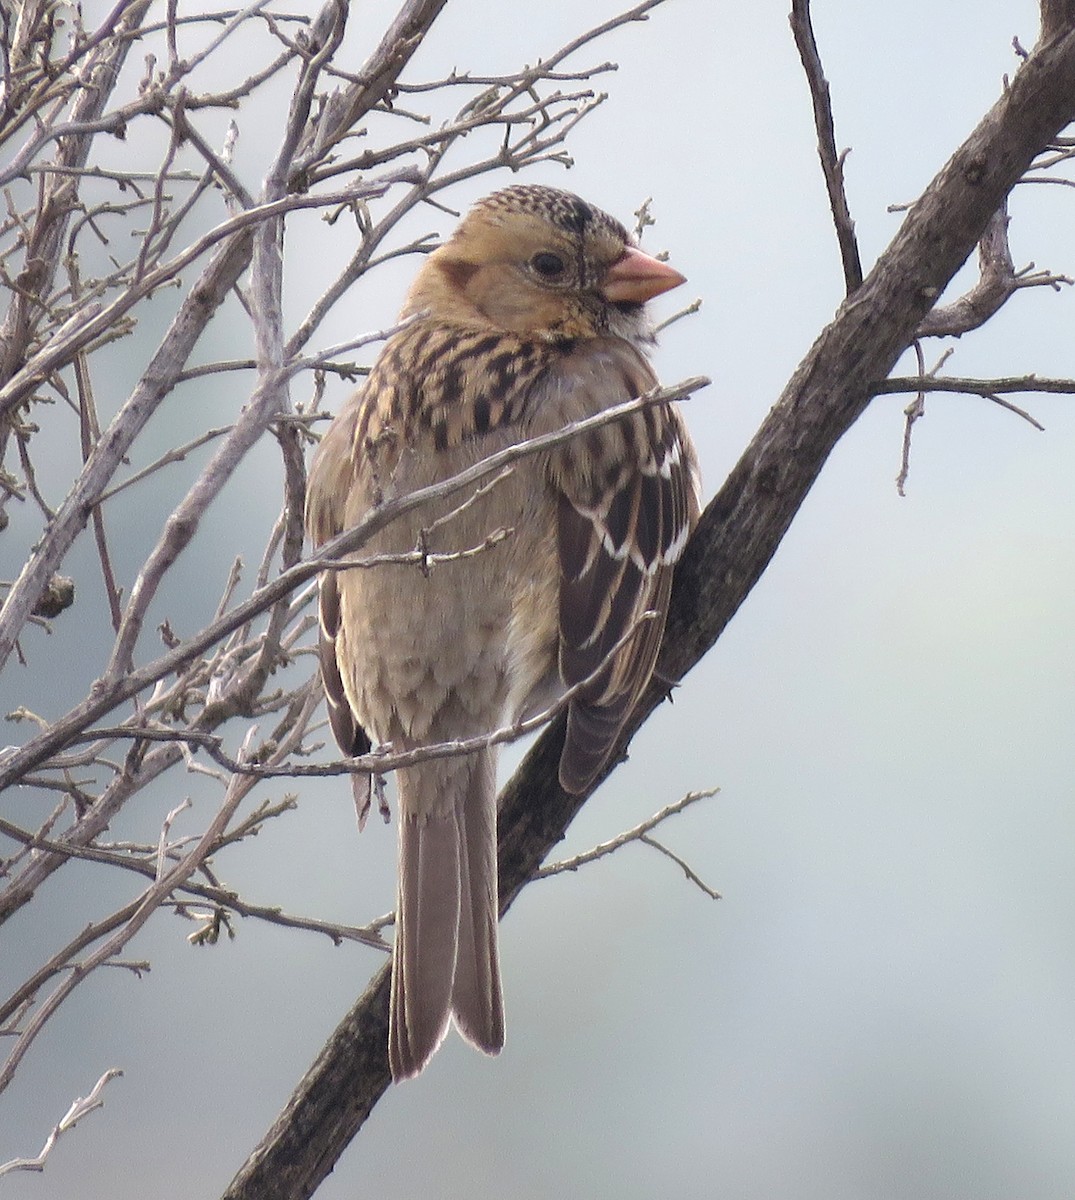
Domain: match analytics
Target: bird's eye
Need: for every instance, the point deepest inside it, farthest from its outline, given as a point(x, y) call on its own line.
point(548, 265)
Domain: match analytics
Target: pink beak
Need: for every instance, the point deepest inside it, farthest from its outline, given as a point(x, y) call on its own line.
point(637, 278)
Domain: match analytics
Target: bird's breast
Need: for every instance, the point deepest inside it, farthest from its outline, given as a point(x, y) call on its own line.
point(447, 628)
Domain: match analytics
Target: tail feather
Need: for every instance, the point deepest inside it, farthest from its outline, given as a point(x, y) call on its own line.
point(477, 1003)
point(427, 918)
point(445, 963)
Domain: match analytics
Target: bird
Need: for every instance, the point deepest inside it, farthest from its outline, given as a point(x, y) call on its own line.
point(550, 582)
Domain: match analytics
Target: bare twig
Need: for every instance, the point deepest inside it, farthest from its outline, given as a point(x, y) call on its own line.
point(913, 413)
point(177, 455)
point(80, 1107)
point(91, 433)
point(640, 833)
point(832, 162)
point(385, 758)
point(194, 892)
point(975, 387)
point(998, 281)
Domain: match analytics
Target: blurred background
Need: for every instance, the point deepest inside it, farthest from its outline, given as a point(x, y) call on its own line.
point(881, 1006)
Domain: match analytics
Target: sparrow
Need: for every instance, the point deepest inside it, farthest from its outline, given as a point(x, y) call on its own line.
point(554, 576)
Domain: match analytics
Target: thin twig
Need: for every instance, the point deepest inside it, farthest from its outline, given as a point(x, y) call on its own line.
point(385, 758)
point(913, 413)
point(832, 163)
point(143, 908)
point(998, 281)
point(975, 387)
point(81, 1107)
point(640, 833)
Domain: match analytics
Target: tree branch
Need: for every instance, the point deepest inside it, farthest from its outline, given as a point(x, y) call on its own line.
point(81, 1107)
point(998, 281)
point(832, 162)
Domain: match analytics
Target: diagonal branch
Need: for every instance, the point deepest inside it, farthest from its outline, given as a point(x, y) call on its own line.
point(374, 83)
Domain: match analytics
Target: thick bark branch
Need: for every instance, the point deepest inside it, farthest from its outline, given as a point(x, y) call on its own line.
point(738, 535)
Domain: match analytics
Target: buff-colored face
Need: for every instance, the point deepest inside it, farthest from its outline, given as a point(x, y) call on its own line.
point(535, 260)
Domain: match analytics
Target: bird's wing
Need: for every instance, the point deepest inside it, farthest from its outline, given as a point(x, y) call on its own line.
point(627, 503)
point(330, 482)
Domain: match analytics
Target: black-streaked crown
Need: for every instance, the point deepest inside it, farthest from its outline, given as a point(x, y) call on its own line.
point(567, 211)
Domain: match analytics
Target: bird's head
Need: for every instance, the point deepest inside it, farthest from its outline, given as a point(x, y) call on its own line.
point(539, 261)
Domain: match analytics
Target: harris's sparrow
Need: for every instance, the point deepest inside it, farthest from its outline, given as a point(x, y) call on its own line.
point(532, 315)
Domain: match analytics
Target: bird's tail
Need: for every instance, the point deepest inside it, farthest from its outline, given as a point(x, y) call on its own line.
point(445, 964)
